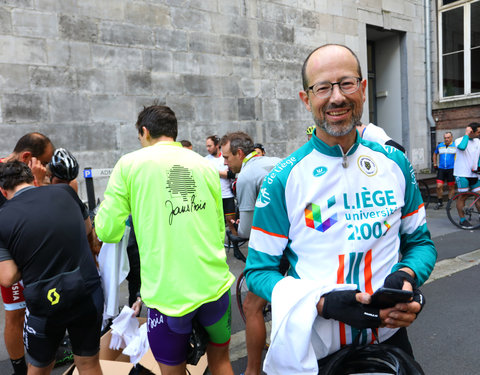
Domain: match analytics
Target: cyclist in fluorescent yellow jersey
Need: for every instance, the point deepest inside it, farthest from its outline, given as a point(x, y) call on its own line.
point(175, 200)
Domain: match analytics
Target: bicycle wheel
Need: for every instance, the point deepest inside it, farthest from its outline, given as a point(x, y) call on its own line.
point(471, 210)
point(242, 290)
point(425, 191)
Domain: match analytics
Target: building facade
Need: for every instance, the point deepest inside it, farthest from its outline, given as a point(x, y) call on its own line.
point(456, 66)
point(80, 71)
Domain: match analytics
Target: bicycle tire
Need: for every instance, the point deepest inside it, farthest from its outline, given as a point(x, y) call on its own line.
point(241, 293)
point(241, 290)
point(425, 191)
point(471, 210)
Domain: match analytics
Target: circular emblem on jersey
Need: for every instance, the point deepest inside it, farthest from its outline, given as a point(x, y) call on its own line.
point(367, 165)
point(320, 171)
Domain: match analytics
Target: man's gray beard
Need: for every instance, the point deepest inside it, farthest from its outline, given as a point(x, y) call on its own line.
point(335, 131)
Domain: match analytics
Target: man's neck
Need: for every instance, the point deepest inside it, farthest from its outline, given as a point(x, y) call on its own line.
point(162, 138)
point(344, 141)
point(11, 192)
point(13, 156)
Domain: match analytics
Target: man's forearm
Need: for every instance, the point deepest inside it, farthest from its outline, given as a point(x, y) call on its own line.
point(223, 174)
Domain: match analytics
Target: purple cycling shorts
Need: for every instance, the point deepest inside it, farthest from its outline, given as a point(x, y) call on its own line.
point(169, 336)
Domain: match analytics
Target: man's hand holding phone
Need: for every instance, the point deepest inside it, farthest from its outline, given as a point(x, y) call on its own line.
point(384, 298)
point(403, 313)
point(393, 306)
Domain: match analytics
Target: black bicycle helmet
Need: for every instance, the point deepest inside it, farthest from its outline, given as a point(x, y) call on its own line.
point(260, 146)
point(63, 165)
point(371, 359)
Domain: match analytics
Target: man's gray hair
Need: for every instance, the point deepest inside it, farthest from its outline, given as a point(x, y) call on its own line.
point(238, 141)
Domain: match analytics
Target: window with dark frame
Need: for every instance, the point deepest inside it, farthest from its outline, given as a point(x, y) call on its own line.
point(459, 48)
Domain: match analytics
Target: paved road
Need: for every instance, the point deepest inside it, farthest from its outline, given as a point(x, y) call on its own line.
point(445, 336)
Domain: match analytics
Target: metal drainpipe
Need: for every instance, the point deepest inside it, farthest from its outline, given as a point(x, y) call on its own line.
point(428, 78)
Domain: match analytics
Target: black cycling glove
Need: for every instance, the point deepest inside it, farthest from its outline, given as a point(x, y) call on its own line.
point(395, 281)
point(343, 306)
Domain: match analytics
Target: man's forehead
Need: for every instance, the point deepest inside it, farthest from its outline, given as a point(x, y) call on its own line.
point(47, 155)
point(332, 59)
point(226, 148)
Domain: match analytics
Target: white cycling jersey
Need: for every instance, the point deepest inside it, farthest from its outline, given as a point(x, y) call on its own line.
point(340, 219)
point(466, 158)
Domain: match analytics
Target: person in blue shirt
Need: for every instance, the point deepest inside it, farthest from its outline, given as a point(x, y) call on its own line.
point(443, 161)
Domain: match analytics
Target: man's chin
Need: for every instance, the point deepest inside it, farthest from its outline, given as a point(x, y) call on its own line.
point(338, 130)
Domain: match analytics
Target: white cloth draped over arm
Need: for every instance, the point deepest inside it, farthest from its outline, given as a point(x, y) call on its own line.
point(299, 335)
point(114, 267)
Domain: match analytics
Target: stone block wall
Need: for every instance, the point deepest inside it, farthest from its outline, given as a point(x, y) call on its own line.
point(80, 71)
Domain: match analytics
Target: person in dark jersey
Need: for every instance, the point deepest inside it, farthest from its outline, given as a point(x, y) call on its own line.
point(43, 240)
point(35, 150)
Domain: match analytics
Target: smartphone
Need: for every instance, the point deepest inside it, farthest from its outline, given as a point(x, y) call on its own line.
point(388, 297)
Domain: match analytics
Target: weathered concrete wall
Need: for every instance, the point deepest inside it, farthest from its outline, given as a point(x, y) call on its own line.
point(79, 71)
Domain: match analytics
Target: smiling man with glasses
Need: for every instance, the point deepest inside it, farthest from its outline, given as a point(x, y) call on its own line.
point(340, 209)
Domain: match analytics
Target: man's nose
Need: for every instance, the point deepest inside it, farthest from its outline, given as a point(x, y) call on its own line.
point(337, 94)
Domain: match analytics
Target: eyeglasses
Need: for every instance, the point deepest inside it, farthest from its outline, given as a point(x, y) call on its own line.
point(347, 85)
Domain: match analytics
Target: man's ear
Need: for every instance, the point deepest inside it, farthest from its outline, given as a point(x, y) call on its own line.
point(363, 88)
point(304, 98)
point(146, 132)
point(4, 192)
point(25, 156)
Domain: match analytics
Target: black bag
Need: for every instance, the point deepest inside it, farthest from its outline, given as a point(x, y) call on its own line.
point(370, 358)
point(56, 295)
point(198, 343)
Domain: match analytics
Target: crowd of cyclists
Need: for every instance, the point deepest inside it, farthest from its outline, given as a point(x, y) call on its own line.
point(337, 212)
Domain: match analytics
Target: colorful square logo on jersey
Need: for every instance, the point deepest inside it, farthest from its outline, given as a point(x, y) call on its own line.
point(313, 216)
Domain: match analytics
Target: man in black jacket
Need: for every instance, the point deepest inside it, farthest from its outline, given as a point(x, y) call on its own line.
point(43, 241)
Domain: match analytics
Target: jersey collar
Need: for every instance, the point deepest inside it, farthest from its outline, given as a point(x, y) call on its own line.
point(167, 143)
point(23, 190)
point(251, 155)
point(336, 150)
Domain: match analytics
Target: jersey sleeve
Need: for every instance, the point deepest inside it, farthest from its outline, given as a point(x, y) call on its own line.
point(115, 208)
point(246, 194)
point(417, 248)
point(268, 237)
point(462, 143)
point(245, 224)
point(4, 254)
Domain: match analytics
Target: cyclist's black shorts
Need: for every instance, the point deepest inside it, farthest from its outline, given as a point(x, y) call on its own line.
point(229, 206)
point(42, 335)
point(445, 175)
